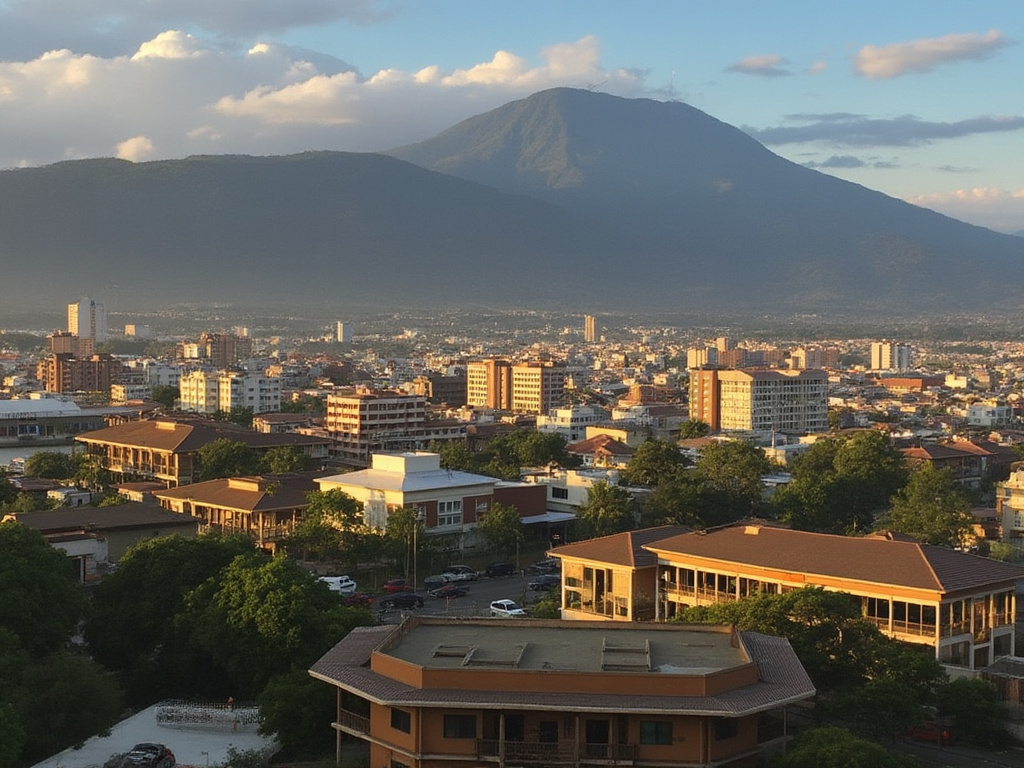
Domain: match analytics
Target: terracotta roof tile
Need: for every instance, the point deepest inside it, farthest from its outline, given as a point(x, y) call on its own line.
point(621, 548)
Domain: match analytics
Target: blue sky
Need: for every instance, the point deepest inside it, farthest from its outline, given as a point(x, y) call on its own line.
point(921, 100)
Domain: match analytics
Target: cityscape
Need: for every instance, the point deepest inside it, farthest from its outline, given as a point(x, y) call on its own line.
point(391, 384)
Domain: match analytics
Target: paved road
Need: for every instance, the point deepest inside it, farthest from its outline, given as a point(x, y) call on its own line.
point(961, 757)
point(481, 593)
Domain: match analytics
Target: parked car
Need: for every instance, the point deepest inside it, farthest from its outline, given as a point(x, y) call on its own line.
point(499, 569)
point(148, 755)
point(449, 590)
point(506, 609)
point(551, 565)
point(341, 584)
point(398, 585)
point(931, 731)
point(402, 600)
point(359, 600)
point(460, 573)
point(433, 582)
point(544, 582)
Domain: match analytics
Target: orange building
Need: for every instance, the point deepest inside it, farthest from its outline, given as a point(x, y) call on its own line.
point(434, 692)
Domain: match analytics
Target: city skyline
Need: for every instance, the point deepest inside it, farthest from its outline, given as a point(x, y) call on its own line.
point(919, 103)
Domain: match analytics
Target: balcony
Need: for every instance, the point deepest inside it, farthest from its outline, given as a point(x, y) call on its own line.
point(350, 721)
point(557, 753)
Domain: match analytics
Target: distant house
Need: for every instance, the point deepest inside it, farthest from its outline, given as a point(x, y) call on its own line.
point(601, 450)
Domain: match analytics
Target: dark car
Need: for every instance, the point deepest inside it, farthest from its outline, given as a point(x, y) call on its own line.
point(551, 565)
point(398, 585)
point(147, 755)
point(402, 600)
point(449, 590)
point(499, 569)
point(433, 582)
point(544, 582)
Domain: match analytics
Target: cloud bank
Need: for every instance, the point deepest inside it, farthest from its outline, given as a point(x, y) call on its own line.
point(994, 207)
point(771, 65)
point(849, 130)
point(920, 56)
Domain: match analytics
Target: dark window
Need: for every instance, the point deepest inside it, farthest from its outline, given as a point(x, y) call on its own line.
point(547, 732)
point(460, 726)
point(559, 493)
point(396, 764)
point(725, 728)
point(655, 732)
point(401, 720)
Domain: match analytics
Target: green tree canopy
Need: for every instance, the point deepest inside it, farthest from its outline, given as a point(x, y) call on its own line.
point(166, 396)
point(607, 510)
point(330, 527)
point(502, 529)
point(283, 459)
point(653, 462)
point(40, 599)
point(732, 471)
point(693, 428)
point(838, 748)
point(225, 457)
point(932, 508)
point(294, 708)
point(52, 465)
point(976, 710)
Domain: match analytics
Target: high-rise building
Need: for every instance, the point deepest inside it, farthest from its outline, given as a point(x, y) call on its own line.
point(65, 373)
point(760, 400)
point(532, 387)
point(343, 333)
point(87, 319)
point(890, 356)
point(204, 392)
point(589, 329)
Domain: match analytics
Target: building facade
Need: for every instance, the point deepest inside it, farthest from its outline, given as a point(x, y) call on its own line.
point(203, 392)
point(890, 356)
point(760, 400)
point(589, 329)
point(65, 373)
point(433, 693)
point(527, 387)
point(87, 319)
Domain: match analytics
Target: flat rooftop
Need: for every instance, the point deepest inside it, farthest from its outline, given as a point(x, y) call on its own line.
point(603, 647)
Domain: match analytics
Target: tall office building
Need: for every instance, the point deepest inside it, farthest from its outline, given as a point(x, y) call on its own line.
point(889, 356)
point(87, 319)
point(343, 333)
point(533, 387)
point(589, 329)
point(760, 400)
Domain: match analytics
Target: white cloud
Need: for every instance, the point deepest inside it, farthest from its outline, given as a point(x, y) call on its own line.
point(816, 67)
point(136, 149)
point(769, 65)
point(888, 61)
point(172, 44)
point(993, 207)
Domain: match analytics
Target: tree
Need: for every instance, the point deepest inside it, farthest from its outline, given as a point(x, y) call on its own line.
point(226, 458)
point(166, 396)
point(327, 531)
point(456, 455)
point(607, 510)
point(976, 710)
point(653, 462)
point(932, 508)
point(294, 708)
point(40, 599)
point(502, 529)
point(885, 707)
point(733, 470)
point(283, 459)
point(12, 736)
point(405, 536)
point(838, 748)
point(693, 428)
point(242, 416)
point(90, 472)
point(8, 491)
point(52, 465)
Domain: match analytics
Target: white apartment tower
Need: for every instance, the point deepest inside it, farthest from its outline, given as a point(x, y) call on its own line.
point(343, 333)
point(204, 392)
point(589, 329)
point(889, 356)
point(87, 319)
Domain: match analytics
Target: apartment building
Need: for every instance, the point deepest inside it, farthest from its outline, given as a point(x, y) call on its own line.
point(204, 392)
point(527, 387)
point(760, 399)
point(364, 421)
point(87, 319)
point(961, 605)
point(65, 373)
point(589, 329)
point(435, 692)
point(890, 356)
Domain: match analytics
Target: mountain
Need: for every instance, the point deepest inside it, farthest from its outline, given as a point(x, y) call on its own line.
point(713, 211)
point(567, 198)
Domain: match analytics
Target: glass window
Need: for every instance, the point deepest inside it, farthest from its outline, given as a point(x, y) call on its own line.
point(401, 720)
point(655, 732)
point(725, 728)
point(460, 726)
point(449, 513)
point(547, 732)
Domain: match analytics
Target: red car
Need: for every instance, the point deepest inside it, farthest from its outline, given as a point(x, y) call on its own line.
point(398, 585)
point(359, 600)
point(449, 590)
point(931, 731)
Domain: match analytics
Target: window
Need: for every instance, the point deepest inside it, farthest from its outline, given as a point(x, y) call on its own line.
point(725, 728)
point(655, 732)
point(396, 764)
point(401, 720)
point(449, 513)
point(559, 493)
point(547, 732)
point(460, 726)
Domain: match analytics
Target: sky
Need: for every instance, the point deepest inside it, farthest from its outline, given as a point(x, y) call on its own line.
point(921, 100)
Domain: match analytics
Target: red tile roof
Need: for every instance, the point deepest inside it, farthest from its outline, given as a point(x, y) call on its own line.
point(621, 548)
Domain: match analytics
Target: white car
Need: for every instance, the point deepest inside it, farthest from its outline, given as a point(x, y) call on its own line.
point(460, 573)
point(506, 609)
point(343, 585)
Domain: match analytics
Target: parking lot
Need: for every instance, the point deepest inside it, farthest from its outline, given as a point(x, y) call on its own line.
point(480, 594)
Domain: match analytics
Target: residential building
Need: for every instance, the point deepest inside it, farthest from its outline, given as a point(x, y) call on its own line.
point(698, 357)
point(165, 449)
point(364, 421)
point(890, 356)
point(602, 451)
point(990, 415)
point(265, 507)
point(760, 400)
point(961, 605)
point(814, 357)
point(440, 389)
point(589, 329)
point(571, 422)
point(87, 319)
point(204, 392)
point(343, 333)
point(526, 387)
point(967, 462)
point(64, 373)
point(1010, 505)
point(435, 692)
point(448, 501)
point(122, 393)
